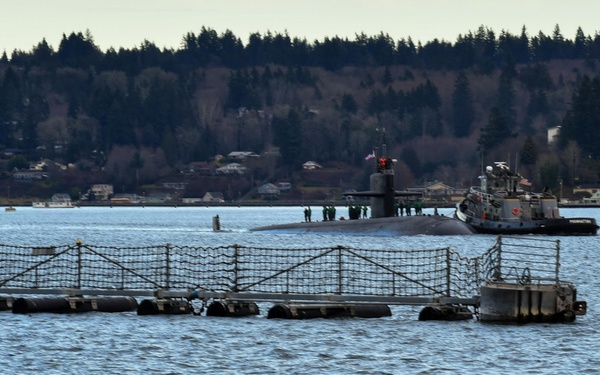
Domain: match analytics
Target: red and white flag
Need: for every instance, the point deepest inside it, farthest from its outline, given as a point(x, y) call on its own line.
point(525, 182)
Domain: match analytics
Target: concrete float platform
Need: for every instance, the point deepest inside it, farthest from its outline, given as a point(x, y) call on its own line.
point(397, 225)
point(522, 303)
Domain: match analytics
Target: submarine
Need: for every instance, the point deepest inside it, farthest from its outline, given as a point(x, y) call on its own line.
point(383, 219)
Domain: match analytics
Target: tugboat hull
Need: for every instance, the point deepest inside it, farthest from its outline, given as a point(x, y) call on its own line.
point(556, 227)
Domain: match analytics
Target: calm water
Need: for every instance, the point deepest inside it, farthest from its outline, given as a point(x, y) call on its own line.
point(127, 343)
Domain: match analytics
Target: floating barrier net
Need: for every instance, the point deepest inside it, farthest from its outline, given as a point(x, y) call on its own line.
point(329, 270)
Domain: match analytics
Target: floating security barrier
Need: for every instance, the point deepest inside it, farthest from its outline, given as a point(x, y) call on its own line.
point(230, 308)
point(445, 312)
point(73, 304)
point(164, 306)
point(312, 311)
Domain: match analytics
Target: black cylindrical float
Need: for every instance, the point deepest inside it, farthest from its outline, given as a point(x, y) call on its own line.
point(115, 304)
point(6, 303)
point(227, 308)
point(286, 311)
point(164, 306)
point(370, 311)
point(445, 312)
point(311, 311)
point(33, 305)
point(102, 304)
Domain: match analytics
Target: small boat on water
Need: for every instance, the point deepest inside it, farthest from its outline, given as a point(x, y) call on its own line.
point(59, 200)
point(9, 208)
point(501, 206)
point(64, 204)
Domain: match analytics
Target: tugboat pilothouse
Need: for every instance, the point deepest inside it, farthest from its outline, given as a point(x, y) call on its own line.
point(500, 206)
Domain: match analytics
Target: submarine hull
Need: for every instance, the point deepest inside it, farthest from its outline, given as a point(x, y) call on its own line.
point(384, 226)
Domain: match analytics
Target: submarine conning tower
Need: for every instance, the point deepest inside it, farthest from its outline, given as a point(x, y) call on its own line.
point(381, 184)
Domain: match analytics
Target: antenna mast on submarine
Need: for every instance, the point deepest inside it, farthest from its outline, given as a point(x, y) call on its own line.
point(383, 145)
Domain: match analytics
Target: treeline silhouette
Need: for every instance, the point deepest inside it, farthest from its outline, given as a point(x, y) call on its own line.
point(484, 49)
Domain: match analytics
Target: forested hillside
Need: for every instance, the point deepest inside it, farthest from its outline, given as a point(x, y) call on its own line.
point(134, 116)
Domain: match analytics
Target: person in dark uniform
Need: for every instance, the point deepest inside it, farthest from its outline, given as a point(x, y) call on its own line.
point(325, 212)
point(418, 207)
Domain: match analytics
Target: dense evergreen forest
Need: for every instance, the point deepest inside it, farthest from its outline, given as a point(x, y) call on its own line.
point(139, 115)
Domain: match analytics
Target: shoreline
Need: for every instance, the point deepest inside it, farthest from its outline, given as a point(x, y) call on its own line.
point(235, 204)
point(262, 204)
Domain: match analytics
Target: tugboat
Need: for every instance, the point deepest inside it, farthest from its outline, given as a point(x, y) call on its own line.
point(500, 206)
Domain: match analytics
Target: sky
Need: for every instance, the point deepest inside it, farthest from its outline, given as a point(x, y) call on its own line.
point(127, 23)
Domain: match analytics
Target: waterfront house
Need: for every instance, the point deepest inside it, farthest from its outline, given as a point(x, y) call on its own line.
point(213, 196)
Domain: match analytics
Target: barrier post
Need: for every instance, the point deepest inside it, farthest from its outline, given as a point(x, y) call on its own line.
point(168, 267)
point(448, 271)
point(236, 255)
point(499, 266)
point(557, 265)
point(79, 264)
point(340, 276)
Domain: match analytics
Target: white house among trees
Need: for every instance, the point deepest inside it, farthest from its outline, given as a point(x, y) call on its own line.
point(310, 165)
point(233, 168)
point(212, 196)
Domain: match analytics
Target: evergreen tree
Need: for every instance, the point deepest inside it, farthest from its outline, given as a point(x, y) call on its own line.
point(522, 53)
point(241, 92)
point(538, 103)
point(581, 121)
point(287, 134)
point(36, 111)
point(376, 102)
point(529, 152)
point(571, 157)
point(580, 47)
point(137, 163)
point(349, 104)
point(387, 77)
point(10, 105)
point(506, 93)
point(495, 132)
point(78, 51)
point(463, 111)
point(409, 157)
point(536, 77)
point(549, 173)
